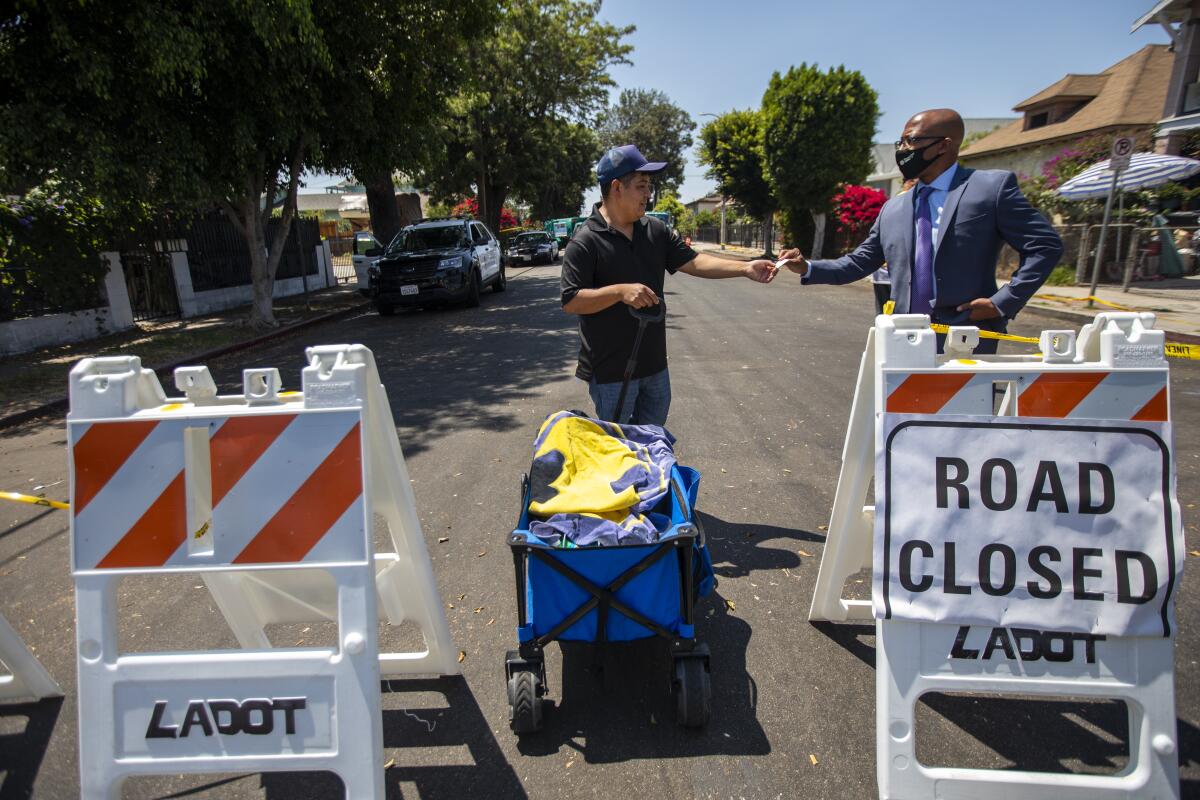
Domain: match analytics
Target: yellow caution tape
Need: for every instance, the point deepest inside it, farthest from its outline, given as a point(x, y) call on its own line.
point(33, 501)
point(1064, 299)
point(1170, 349)
point(1004, 337)
point(1181, 350)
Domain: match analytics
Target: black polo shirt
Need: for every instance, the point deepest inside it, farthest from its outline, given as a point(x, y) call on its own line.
point(597, 256)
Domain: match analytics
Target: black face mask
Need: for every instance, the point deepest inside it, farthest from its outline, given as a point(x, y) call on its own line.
point(913, 162)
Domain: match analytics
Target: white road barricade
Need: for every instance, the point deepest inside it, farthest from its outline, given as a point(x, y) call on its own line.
point(1026, 540)
point(270, 498)
point(25, 676)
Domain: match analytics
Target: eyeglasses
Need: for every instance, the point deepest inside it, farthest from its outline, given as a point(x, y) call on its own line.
point(911, 141)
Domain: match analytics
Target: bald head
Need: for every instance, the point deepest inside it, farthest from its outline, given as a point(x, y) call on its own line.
point(938, 134)
point(940, 122)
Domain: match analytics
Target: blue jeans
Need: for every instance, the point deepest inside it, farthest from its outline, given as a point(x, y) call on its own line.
point(646, 402)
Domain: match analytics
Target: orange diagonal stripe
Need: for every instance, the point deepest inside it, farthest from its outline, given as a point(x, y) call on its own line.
point(238, 444)
point(926, 394)
point(1055, 394)
point(100, 452)
point(1155, 410)
point(154, 537)
point(312, 510)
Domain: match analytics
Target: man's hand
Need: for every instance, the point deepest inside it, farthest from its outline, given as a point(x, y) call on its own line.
point(638, 295)
point(980, 308)
point(761, 270)
point(794, 260)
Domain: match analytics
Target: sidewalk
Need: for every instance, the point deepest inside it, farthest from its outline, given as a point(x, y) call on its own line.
point(1175, 302)
point(36, 382)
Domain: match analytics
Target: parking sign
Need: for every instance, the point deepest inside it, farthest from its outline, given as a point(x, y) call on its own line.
point(1122, 149)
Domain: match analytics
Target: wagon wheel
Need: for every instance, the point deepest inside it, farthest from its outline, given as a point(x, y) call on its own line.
point(693, 693)
point(525, 706)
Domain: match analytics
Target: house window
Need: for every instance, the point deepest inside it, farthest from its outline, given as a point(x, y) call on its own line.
point(1191, 98)
point(1039, 120)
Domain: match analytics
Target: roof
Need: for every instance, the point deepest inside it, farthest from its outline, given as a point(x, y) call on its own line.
point(1072, 87)
point(1130, 93)
point(1171, 11)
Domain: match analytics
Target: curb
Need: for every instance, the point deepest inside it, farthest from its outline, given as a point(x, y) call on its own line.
point(61, 403)
point(1079, 318)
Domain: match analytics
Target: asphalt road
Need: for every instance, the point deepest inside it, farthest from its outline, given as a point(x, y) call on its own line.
point(763, 379)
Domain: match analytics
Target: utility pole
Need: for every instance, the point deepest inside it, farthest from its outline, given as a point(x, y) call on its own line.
point(724, 202)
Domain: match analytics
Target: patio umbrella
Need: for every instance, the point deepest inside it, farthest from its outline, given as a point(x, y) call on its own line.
point(1145, 171)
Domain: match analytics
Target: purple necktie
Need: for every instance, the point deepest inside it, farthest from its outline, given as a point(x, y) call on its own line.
point(920, 299)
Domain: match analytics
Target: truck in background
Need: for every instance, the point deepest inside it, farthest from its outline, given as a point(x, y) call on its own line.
point(562, 229)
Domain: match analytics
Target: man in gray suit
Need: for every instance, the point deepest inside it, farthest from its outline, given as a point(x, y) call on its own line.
point(941, 239)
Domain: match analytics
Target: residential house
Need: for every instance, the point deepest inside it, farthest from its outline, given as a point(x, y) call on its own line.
point(886, 177)
point(710, 202)
point(337, 210)
point(1181, 106)
point(1125, 99)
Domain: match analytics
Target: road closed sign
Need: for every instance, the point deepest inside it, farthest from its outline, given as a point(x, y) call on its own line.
point(1014, 524)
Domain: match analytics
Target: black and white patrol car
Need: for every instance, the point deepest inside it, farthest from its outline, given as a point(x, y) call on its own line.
point(435, 261)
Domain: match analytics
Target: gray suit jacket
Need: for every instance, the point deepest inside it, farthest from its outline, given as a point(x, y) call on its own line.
point(983, 210)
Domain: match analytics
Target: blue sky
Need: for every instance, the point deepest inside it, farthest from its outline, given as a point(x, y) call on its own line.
point(978, 56)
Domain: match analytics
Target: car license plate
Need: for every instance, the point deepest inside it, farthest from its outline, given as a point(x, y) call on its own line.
point(526, 258)
point(410, 289)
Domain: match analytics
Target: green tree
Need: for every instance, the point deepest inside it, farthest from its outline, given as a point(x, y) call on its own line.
point(555, 188)
point(731, 147)
point(177, 104)
point(397, 75)
point(661, 130)
point(668, 202)
point(188, 105)
point(546, 64)
point(817, 132)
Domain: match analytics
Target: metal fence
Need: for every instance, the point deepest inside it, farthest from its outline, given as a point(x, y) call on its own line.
point(218, 257)
point(150, 282)
point(1131, 252)
point(341, 252)
point(22, 295)
point(742, 235)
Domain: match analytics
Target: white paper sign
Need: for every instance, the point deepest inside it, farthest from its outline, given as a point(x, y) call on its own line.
point(1011, 522)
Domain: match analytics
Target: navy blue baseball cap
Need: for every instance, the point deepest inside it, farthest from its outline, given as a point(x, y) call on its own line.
point(620, 161)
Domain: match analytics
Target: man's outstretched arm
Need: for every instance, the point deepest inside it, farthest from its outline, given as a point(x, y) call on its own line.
point(706, 266)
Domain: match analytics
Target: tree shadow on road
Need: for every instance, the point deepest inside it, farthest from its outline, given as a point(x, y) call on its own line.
point(448, 369)
point(21, 753)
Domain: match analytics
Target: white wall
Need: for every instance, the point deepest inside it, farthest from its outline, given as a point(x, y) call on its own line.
point(215, 300)
point(23, 335)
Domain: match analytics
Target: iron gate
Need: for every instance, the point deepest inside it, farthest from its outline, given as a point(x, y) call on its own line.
point(151, 283)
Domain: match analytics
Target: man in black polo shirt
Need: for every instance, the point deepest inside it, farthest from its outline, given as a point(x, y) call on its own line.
point(619, 258)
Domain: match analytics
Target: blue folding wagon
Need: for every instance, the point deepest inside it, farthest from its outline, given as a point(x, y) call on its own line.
point(613, 594)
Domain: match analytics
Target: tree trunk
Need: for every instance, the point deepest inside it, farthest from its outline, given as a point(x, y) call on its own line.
point(385, 211)
point(818, 234)
point(491, 201)
point(769, 235)
point(252, 222)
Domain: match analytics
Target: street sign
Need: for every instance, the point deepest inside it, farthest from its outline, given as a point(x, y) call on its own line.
point(991, 523)
point(1122, 149)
